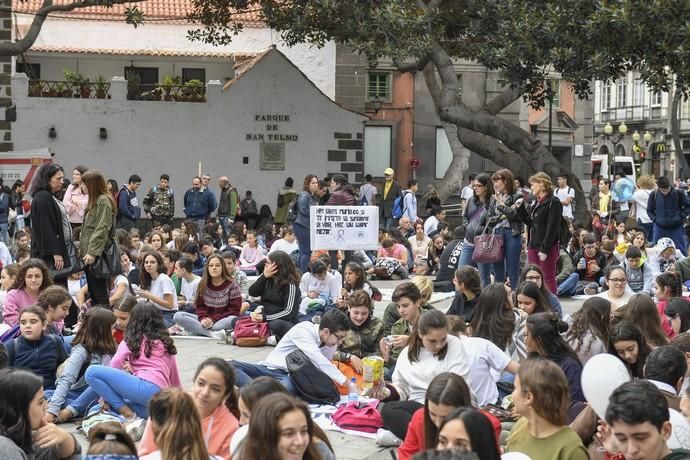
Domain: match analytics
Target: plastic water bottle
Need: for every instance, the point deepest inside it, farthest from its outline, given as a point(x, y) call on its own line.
point(353, 392)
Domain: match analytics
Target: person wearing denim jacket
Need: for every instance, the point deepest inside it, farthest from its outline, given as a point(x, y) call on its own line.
point(71, 390)
point(305, 200)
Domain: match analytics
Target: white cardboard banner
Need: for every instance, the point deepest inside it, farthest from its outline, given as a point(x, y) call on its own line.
point(344, 227)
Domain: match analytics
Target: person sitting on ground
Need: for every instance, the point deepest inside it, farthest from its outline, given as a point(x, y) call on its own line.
point(281, 414)
point(189, 283)
point(218, 302)
point(668, 286)
point(529, 298)
point(640, 275)
point(233, 245)
point(638, 424)
point(109, 440)
point(157, 287)
point(366, 331)
point(55, 301)
point(36, 350)
point(317, 341)
point(535, 274)
point(238, 276)
point(122, 310)
point(252, 255)
point(641, 311)
point(92, 344)
point(616, 287)
point(191, 250)
point(666, 367)
point(393, 257)
point(431, 351)
point(288, 243)
point(391, 314)
point(354, 279)
point(589, 267)
point(319, 291)
point(588, 334)
point(467, 290)
point(25, 433)
point(664, 256)
point(678, 315)
point(627, 343)
point(213, 393)
point(278, 288)
point(449, 262)
point(541, 397)
point(565, 268)
point(32, 279)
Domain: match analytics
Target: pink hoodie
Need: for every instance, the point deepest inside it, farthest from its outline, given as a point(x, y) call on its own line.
point(160, 368)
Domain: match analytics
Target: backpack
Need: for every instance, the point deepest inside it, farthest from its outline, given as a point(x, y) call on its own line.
point(358, 416)
point(10, 334)
point(311, 383)
point(398, 206)
point(564, 233)
point(572, 203)
point(292, 211)
point(250, 334)
point(363, 201)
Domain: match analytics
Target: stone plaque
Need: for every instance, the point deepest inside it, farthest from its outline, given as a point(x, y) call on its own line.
point(272, 156)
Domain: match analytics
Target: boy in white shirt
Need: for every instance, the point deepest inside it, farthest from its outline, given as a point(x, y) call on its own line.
point(319, 290)
point(189, 282)
point(287, 244)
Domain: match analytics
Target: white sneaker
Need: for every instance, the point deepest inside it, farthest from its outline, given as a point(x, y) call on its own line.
point(272, 341)
point(220, 335)
point(386, 438)
point(135, 428)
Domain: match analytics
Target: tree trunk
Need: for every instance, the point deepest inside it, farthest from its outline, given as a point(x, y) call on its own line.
point(681, 163)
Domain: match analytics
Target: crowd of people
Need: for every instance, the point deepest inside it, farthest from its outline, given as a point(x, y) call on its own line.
point(91, 302)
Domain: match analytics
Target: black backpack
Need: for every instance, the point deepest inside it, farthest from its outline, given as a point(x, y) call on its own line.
point(312, 384)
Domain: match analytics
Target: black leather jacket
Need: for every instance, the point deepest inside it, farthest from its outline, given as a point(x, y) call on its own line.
point(497, 212)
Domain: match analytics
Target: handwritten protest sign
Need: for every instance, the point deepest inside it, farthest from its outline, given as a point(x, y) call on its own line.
point(344, 227)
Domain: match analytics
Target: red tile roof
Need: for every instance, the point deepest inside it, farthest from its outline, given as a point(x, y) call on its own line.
point(155, 11)
point(142, 52)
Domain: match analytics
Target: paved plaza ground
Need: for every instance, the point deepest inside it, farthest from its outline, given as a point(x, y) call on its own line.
point(192, 351)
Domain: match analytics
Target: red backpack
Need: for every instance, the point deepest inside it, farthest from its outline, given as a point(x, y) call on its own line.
point(358, 417)
point(250, 334)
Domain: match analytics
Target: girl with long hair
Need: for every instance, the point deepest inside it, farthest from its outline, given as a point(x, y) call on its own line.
point(76, 197)
point(23, 431)
point(176, 427)
point(641, 310)
point(446, 392)
point(543, 336)
point(215, 400)
point(92, 344)
point(541, 398)
point(32, 279)
point(436, 248)
point(473, 219)
point(148, 353)
point(113, 188)
point(678, 315)
point(190, 230)
point(278, 287)
point(55, 301)
point(616, 282)
point(431, 351)
point(535, 274)
point(354, 279)
point(588, 334)
point(469, 429)
point(95, 234)
point(157, 287)
point(668, 286)
point(218, 302)
point(157, 241)
point(629, 345)
point(497, 321)
point(529, 298)
point(285, 431)
point(35, 350)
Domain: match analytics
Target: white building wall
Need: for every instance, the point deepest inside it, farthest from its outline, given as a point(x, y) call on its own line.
point(150, 138)
point(317, 64)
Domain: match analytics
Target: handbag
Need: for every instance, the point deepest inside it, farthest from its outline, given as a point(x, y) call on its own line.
point(488, 247)
point(75, 263)
point(249, 333)
point(108, 264)
point(358, 416)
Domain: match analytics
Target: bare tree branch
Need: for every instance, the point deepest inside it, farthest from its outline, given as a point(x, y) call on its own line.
point(432, 84)
point(26, 42)
point(503, 100)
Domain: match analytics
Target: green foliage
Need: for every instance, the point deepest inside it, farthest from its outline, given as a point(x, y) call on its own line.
point(134, 16)
point(526, 40)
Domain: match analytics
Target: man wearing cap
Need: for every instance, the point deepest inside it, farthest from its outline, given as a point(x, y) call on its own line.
point(391, 190)
point(668, 208)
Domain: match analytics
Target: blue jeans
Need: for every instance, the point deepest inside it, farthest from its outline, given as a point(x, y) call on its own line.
point(225, 223)
point(168, 316)
point(79, 400)
point(4, 236)
point(246, 372)
point(67, 342)
point(512, 248)
point(119, 389)
point(568, 286)
point(466, 259)
point(302, 234)
point(191, 323)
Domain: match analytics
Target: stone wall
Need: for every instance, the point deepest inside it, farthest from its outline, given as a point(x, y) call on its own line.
point(5, 81)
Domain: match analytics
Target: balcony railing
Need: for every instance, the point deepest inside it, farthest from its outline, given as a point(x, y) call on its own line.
point(67, 89)
point(167, 93)
point(631, 113)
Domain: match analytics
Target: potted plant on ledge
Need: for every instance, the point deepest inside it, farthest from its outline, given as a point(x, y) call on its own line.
point(101, 87)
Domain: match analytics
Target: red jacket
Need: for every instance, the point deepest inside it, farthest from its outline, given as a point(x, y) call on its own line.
point(414, 440)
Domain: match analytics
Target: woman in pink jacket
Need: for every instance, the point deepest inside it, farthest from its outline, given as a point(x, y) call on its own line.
point(143, 365)
point(76, 198)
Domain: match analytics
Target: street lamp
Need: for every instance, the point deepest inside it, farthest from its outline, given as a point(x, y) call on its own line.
point(615, 140)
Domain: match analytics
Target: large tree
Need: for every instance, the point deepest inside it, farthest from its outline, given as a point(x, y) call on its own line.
point(526, 40)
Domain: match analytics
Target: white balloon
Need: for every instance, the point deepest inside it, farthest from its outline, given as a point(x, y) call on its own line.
point(602, 374)
point(680, 435)
point(515, 456)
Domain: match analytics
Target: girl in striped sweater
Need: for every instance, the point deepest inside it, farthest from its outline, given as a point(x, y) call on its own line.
point(218, 302)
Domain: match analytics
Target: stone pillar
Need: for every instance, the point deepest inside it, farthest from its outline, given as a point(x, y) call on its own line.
point(6, 144)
